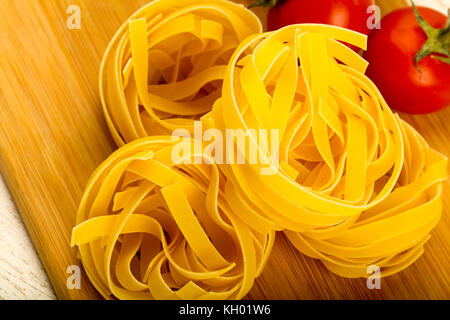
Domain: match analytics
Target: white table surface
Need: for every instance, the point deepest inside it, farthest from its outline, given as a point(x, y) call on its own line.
point(21, 273)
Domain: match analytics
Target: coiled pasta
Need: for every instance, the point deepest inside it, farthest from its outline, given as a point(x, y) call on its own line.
point(345, 179)
point(164, 67)
point(351, 183)
point(150, 229)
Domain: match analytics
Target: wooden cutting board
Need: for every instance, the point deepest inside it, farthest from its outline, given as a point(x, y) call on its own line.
point(52, 137)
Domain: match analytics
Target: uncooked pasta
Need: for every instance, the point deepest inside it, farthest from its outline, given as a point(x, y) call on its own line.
point(164, 67)
point(343, 177)
point(150, 229)
point(352, 184)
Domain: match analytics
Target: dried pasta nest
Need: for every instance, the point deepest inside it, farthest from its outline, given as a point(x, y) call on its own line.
point(351, 183)
point(164, 67)
point(148, 228)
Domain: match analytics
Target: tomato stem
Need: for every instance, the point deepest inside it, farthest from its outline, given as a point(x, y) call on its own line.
point(438, 40)
point(263, 3)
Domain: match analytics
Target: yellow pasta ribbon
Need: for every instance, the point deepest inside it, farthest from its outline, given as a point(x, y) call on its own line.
point(148, 228)
point(164, 67)
point(352, 184)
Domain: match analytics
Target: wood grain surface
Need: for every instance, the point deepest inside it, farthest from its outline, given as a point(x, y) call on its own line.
point(21, 273)
point(52, 137)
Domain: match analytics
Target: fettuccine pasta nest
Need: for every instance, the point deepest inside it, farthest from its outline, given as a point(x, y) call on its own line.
point(164, 67)
point(149, 229)
point(352, 184)
point(343, 177)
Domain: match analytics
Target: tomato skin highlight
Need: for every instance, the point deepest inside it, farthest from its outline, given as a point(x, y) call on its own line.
point(391, 52)
point(350, 14)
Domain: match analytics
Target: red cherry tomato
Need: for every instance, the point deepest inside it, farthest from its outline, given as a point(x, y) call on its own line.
point(391, 53)
point(350, 14)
